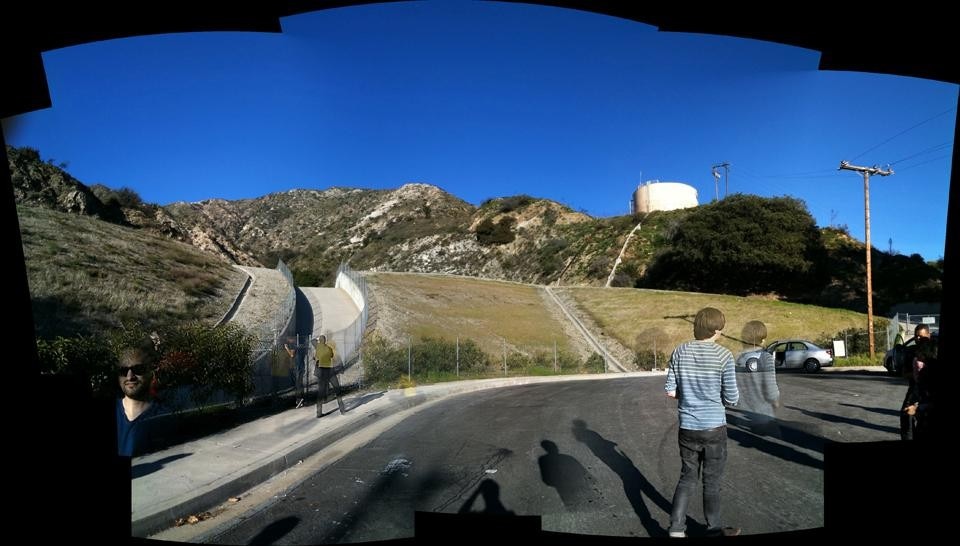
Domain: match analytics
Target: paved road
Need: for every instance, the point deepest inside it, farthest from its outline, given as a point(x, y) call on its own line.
point(592, 457)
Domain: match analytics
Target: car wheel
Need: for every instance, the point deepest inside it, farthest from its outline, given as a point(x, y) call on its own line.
point(811, 365)
point(753, 364)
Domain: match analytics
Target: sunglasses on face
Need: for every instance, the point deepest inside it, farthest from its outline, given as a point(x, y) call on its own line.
point(138, 369)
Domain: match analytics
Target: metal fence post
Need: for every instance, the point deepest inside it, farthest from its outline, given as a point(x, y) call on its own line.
point(458, 356)
point(554, 355)
point(409, 362)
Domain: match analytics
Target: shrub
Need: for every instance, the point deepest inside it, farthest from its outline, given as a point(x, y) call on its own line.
point(647, 359)
point(594, 364)
point(500, 233)
point(384, 362)
point(90, 357)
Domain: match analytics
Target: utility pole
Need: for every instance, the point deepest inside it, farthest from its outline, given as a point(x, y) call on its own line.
point(726, 178)
point(867, 171)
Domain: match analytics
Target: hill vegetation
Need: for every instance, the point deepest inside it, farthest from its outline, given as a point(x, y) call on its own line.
point(743, 245)
point(87, 276)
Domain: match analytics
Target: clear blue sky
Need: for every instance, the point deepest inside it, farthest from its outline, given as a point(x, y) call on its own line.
point(489, 99)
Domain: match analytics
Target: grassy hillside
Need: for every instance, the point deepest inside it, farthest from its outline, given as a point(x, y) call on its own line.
point(636, 317)
point(491, 313)
point(86, 275)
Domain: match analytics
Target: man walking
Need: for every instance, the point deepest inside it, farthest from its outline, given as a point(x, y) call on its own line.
point(907, 416)
point(702, 379)
point(295, 350)
point(324, 356)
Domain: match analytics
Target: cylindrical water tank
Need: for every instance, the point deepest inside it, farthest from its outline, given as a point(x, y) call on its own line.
point(658, 195)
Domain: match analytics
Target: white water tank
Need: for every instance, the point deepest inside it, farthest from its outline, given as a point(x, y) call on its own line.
point(656, 195)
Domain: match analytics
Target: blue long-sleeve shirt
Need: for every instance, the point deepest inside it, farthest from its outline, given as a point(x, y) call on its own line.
point(703, 376)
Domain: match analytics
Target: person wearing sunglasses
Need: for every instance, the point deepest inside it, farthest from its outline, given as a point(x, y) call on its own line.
point(135, 369)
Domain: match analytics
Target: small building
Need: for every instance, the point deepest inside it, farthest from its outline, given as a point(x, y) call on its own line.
point(655, 195)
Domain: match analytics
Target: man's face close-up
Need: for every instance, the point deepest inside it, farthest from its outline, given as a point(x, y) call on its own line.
point(135, 375)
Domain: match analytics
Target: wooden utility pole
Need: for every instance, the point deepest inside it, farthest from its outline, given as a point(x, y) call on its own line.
point(867, 171)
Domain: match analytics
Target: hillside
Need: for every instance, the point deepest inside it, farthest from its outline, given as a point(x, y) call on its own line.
point(734, 246)
point(494, 313)
point(660, 320)
point(87, 275)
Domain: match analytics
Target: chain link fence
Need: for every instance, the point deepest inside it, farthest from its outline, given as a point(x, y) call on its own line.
point(902, 325)
point(349, 339)
point(414, 359)
point(270, 363)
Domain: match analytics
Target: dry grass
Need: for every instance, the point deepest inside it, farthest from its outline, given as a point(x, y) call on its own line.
point(87, 275)
point(488, 312)
point(627, 314)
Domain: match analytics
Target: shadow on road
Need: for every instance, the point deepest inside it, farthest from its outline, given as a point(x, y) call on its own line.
point(881, 411)
point(490, 491)
point(846, 420)
point(275, 531)
point(635, 485)
point(361, 400)
point(744, 432)
point(565, 474)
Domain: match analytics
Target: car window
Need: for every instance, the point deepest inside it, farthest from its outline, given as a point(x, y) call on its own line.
point(777, 347)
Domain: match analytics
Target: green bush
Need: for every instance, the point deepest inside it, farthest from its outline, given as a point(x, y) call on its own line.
point(207, 360)
point(859, 360)
point(646, 359)
point(192, 355)
point(431, 357)
point(383, 362)
point(508, 204)
point(594, 364)
point(89, 357)
point(857, 340)
point(500, 233)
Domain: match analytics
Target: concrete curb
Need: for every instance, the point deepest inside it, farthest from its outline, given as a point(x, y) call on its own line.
point(237, 482)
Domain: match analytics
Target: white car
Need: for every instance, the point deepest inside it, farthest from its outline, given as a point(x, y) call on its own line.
point(789, 354)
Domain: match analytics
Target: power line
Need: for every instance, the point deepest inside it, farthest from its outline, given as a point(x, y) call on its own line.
point(948, 110)
point(928, 150)
point(925, 162)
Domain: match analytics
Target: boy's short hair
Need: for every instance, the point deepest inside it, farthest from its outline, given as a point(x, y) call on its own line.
point(754, 332)
point(707, 322)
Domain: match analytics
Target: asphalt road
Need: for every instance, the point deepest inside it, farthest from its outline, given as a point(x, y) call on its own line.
point(591, 457)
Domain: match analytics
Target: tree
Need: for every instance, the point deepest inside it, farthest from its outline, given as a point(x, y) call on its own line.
point(744, 244)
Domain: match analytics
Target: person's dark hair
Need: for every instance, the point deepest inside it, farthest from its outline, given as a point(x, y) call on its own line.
point(921, 328)
point(754, 332)
point(145, 347)
point(707, 322)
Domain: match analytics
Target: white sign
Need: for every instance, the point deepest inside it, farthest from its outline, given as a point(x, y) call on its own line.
point(839, 349)
point(929, 320)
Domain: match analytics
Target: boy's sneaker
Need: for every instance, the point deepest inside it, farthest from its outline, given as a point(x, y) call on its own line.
point(725, 532)
point(678, 534)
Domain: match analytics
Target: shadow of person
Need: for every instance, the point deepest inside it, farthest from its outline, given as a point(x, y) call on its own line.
point(490, 491)
point(635, 485)
point(275, 531)
point(142, 469)
point(565, 474)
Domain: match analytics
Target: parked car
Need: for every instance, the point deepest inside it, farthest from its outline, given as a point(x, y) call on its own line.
point(789, 354)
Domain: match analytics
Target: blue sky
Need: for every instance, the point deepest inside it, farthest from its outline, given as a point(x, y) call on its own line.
point(489, 99)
